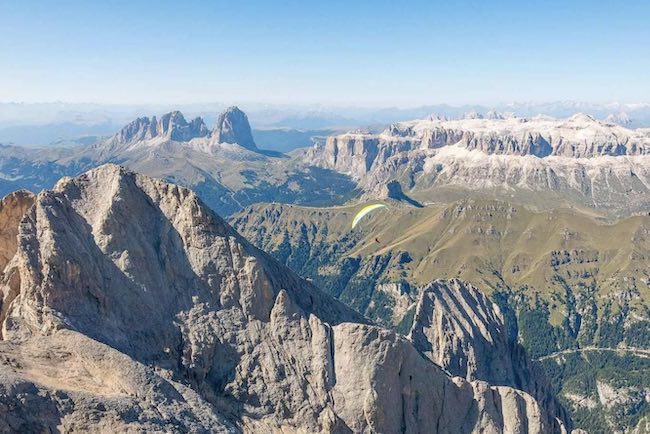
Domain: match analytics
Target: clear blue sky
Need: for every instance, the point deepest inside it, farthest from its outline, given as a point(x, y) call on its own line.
point(331, 52)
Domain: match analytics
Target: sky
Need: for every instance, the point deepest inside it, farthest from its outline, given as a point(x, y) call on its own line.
point(357, 53)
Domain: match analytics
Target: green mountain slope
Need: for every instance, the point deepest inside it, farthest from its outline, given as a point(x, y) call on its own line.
point(565, 278)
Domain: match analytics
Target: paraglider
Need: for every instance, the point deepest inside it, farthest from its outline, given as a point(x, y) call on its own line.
point(365, 211)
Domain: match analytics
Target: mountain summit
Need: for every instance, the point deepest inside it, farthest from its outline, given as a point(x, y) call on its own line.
point(171, 126)
point(129, 306)
point(232, 127)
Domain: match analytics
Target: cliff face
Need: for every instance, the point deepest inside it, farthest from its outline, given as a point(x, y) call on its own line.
point(171, 126)
point(233, 127)
point(460, 329)
point(457, 327)
point(578, 160)
point(579, 136)
point(129, 305)
point(12, 209)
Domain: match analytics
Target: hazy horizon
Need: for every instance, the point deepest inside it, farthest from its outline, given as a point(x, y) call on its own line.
point(317, 104)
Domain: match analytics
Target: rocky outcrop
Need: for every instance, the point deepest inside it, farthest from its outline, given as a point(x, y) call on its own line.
point(393, 190)
point(580, 136)
point(457, 327)
point(171, 126)
point(578, 160)
point(12, 208)
point(174, 126)
point(232, 127)
point(621, 119)
point(129, 306)
point(460, 329)
point(67, 382)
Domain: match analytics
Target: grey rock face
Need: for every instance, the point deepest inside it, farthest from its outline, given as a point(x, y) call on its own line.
point(139, 129)
point(460, 329)
point(578, 160)
point(131, 306)
point(12, 208)
point(172, 126)
point(457, 327)
point(232, 127)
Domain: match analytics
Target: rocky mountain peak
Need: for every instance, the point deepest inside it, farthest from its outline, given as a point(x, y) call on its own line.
point(437, 117)
point(582, 118)
point(138, 241)
point(131, 306)
point(494, 115)
point(461, 329)
point(397, 130)
point(172, 126)
point(140, 129)
point(622, 119)
point(456, 326)
point(232, 127)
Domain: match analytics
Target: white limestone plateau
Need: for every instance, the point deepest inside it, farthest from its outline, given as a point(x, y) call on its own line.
point(578, 160)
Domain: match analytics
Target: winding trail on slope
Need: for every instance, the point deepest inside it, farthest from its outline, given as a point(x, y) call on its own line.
point(636, 351)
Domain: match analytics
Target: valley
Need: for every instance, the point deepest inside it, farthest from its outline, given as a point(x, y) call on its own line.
point(324, 217)
point(565, 280)
point(232, 340)
point(223, 165)
point(544, 217)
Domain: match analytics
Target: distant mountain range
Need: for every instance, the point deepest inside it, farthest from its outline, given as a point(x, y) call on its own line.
point(547, 216)
point(546, 162)
point(224, 165)
point(42, 124)
point(540, 161)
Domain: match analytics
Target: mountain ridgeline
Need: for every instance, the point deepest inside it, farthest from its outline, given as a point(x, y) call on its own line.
point(544, 162)
point(130, 306)
point(541, 162)
point(223, 165)
point(231, 127)
point(507, 281)
point(572, 289)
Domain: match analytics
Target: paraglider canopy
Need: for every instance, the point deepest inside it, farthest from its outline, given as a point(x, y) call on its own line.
point(365, 211)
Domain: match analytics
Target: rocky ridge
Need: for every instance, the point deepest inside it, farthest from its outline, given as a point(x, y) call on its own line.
point(577, 160)
point(171, 126)
point(12, 208)
point(233, 127)
point(459, 328)
point(230, 341)
point(563, 279)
